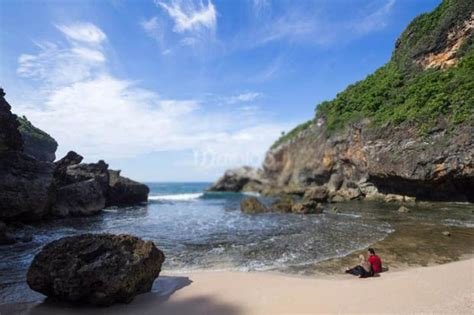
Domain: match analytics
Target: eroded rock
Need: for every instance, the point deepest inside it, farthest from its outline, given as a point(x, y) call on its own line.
point(252, 205)
point(98, 269)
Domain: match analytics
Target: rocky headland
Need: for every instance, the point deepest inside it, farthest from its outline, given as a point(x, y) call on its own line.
point(404, 133)
point(33, 187)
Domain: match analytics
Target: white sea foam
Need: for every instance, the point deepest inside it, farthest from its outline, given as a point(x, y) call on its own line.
point(252, 193)
point(177, 197)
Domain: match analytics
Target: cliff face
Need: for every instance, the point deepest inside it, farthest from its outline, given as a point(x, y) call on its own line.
point(362, 161)
point(407, 129)
point(36, 142)
point(33, 188)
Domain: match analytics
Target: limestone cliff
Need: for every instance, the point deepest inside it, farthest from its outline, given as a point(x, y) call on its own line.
point(407, 129)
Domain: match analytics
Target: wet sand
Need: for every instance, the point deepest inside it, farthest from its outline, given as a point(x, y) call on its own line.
point(441, 289)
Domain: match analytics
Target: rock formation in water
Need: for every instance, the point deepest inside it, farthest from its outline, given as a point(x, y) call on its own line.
point(241, 179)
point(402, 133)
point(98, 269)
point(33, 188)
point(124, 192)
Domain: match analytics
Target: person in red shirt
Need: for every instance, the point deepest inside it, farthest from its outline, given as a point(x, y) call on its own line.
point(374, 261)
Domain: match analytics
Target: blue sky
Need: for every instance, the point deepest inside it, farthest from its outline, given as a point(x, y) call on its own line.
point(170, 90)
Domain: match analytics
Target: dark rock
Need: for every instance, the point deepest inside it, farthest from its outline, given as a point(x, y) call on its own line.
point(81, 172)
point(252, 205)
point(283, 204)
point(318, 194)
point(240, 179)
point(71, 158)
point(36, 142)
point(99, 269)
point(10, 137)
point(83, 198)
point(6, 238)
point(26, 187)
point(81, 188)
point(123, 191)
point(308, 207)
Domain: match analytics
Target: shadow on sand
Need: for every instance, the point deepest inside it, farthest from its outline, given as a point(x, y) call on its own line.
point(154, 302)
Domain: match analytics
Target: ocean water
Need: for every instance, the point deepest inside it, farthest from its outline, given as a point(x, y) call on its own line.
point(207, 231)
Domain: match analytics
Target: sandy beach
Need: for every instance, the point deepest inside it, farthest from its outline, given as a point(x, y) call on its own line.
point(441, 289)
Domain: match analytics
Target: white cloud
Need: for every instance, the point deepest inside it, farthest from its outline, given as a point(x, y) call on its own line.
point(190, 16)
point(83, 32)
point(56, 65)
point(244, 97)
point(309, 24)
point(154, 28)
point(375, 20)
point(100, 116)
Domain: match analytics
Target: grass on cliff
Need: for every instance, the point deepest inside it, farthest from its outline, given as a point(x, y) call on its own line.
point(27, 128)
point(401, 91)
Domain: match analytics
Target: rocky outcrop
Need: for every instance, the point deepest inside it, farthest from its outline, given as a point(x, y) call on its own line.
point(99, 269)
point(123, 191)
point(32, 188)
point(389, 160)
point(240, 179)
point(25, 183)
point(36, 142)
point(252, 205)
point(405, 132)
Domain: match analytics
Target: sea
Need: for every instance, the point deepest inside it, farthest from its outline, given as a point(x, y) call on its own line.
point(199, 230)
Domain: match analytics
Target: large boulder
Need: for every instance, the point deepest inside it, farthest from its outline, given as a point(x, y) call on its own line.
point(99, 269)
point(123, 191)
point(252, 205)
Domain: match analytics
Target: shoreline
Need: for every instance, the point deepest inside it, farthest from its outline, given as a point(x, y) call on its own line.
point(446, 288)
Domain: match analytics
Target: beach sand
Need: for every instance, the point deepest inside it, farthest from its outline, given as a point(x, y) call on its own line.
point(441, 289)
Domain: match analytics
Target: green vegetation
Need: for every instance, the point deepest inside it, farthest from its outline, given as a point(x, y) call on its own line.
point(402, 91)
point(292, 133)
point(28, 130)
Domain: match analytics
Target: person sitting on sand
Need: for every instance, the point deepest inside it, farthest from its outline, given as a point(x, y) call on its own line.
point(375, 261)
point(363, 269)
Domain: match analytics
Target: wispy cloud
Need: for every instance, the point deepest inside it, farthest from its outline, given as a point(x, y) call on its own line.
point(375, 20)
point(308, 23)
point(83, 32)
point(190, 16)
point(88, 109)
point(156, 29)
point(244, 97)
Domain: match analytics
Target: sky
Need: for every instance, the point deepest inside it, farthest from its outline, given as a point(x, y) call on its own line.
point(170, 90)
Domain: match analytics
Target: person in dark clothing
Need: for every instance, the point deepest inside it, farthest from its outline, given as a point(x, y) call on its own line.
point(363, 269)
